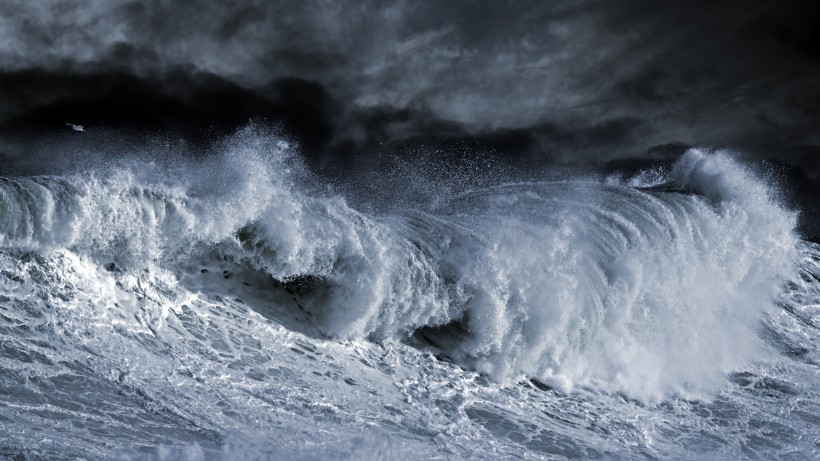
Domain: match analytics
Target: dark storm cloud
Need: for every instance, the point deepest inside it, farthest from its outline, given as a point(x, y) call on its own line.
point(564, 82)
point(178, 102)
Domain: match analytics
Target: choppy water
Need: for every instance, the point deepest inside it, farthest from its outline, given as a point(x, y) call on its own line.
point(227, 309)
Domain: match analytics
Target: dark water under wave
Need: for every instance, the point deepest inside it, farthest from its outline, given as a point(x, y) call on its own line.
point(228, 310)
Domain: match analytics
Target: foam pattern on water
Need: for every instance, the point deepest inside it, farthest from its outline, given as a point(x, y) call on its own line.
point(238, 310)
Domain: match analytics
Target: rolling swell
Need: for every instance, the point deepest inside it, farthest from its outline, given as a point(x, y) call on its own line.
point(617, 287)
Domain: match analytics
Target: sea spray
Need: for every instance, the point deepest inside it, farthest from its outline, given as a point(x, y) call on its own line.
point(645, 291)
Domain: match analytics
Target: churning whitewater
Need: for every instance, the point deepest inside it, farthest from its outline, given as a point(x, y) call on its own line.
point(233, 307)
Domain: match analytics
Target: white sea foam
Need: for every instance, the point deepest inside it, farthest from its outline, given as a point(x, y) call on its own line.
point(575, 283)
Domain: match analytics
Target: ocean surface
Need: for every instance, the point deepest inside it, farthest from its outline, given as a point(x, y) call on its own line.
point(233, 307)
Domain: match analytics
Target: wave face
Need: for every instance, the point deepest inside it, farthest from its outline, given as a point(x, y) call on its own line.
point(181, 289)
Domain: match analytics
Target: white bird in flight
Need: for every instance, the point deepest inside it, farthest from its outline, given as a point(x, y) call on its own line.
point(76, 127)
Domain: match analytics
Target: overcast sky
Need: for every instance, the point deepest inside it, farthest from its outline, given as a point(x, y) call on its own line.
point(584, 82)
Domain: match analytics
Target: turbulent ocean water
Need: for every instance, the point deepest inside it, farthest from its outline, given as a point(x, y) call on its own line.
point(233, 307)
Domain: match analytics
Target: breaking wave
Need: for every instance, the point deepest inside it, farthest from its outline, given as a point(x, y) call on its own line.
point(639, 287)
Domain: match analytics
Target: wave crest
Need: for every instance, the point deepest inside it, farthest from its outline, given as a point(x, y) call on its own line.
point(575, 283)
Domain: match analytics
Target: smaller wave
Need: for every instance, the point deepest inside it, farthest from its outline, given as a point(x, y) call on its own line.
point(140, 213)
